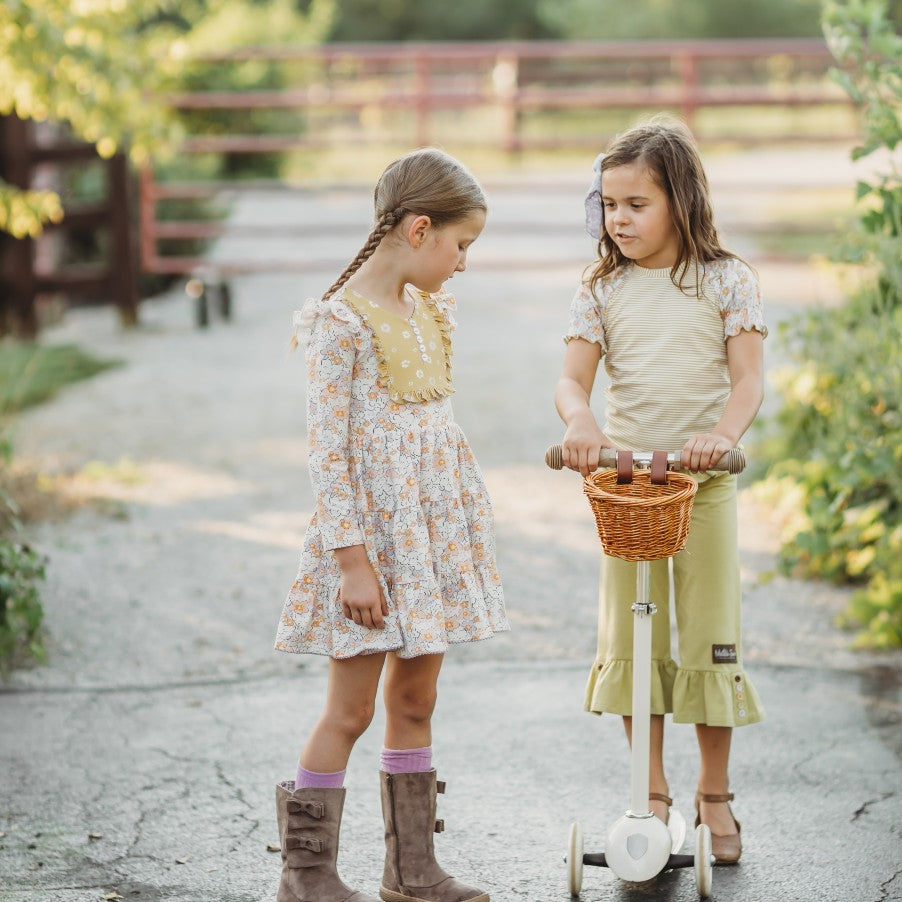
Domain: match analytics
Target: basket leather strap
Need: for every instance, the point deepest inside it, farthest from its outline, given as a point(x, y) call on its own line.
point(659, 468)
point(624, 467)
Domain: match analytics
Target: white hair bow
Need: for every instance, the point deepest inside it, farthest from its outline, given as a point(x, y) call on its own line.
point(594, 207)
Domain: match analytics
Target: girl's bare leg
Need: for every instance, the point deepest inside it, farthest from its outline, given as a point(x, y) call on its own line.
point(714, 746)
point(350, 702)
point(657, 780)
point(410, 693)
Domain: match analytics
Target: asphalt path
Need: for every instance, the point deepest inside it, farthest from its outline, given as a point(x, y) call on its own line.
point(140, 762)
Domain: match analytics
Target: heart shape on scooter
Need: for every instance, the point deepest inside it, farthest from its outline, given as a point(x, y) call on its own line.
point(636, 845)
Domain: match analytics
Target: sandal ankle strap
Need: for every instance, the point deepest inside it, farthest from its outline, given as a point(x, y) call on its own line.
point(660, 797)
point(713, 797)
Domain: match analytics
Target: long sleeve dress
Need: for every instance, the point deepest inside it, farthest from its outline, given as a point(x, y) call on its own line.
point(393, 471)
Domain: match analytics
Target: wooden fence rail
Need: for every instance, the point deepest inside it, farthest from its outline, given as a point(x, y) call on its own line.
point(510, 96)
point(22, 279)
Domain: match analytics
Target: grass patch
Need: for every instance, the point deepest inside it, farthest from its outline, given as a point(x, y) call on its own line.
point(31, 373)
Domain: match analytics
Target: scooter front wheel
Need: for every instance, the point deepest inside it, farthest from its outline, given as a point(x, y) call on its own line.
point(704, 872)
point(575, 858)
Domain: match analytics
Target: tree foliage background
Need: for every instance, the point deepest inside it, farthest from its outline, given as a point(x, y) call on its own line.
point(102, 66)
point(838, 442)
point(473, 20)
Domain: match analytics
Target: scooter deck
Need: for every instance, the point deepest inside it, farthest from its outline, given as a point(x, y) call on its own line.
point(597, 860)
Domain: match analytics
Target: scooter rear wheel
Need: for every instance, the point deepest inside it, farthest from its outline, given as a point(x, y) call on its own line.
point(575, 858)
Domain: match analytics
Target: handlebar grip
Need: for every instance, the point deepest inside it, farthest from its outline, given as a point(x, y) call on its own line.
point(734, 461)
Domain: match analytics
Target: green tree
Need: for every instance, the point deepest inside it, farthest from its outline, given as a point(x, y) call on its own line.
point(104, 66)
point(839, 448)
point(238, 24)
point(94, 64)
point(465, 20)
point(869, 52)
point(672, 19)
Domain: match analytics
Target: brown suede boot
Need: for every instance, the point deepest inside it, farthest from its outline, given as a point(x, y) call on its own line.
point(411, 871)
point(309, 823)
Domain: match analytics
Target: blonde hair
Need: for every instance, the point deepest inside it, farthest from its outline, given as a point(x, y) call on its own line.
point(424, 182)
point(666, 147)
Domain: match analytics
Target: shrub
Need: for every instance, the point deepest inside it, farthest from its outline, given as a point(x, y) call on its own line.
point(839, 438)
point(20, 570)
point(29, 375)
point(21, 613)
point(840, 441)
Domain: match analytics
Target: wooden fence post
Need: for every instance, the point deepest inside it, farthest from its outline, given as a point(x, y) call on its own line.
point(17, 313)
point(115, 279)
point(688, 67)
point(123, 265)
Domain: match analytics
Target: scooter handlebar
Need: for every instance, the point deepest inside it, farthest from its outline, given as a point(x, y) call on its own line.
point(733, 461)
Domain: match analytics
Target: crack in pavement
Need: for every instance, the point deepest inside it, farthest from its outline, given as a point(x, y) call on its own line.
point(799, 767)
point(239, 795)
point(885, 888)
point(860, 811)
point(178, 759)
point(127, 688)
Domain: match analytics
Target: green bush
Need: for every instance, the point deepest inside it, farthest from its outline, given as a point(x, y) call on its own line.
point(839, 440)
point(21, 613)
point(21, 568)
point(29, 374)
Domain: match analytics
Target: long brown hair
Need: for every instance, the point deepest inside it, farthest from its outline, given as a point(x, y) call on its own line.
point(666, 146)
point(425, 182)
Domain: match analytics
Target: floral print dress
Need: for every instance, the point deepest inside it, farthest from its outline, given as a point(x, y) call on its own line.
point(393, 471)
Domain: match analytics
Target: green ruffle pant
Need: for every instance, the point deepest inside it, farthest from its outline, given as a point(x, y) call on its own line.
point(709, 685)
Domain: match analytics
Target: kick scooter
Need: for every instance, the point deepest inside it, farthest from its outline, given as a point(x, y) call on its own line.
point(642, 515)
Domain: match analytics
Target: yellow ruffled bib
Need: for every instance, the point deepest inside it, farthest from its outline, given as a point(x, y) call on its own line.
point(413, 354)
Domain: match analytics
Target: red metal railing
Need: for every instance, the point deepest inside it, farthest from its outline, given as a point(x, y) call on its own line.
point(497, 94)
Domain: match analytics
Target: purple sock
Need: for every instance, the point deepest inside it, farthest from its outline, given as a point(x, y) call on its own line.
point(407, 761)
point(308, 779)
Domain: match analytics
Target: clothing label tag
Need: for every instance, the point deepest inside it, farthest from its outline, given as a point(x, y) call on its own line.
point(723, 654)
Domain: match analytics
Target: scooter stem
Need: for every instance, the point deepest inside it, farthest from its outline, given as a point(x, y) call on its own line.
point(639, 756)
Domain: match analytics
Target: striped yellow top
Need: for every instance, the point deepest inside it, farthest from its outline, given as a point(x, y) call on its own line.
point(665, 349)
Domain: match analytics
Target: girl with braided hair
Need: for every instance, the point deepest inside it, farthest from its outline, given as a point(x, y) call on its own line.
point(399, 557)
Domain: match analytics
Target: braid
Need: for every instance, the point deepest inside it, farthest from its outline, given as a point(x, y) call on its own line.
point(425, 182)
point(384, 224)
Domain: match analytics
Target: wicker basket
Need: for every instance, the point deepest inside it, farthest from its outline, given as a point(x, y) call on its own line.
point(638, 520)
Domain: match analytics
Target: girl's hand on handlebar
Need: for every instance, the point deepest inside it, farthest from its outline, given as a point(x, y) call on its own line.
point(702, 452)
point(582, 441)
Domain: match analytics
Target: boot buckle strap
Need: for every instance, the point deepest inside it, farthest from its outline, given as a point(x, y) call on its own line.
point(440, 786)
point(313, 809)
point(439, 826)
point(311, 844)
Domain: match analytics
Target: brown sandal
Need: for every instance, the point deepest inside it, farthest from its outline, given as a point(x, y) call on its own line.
point(726, 848)
point(660, 797)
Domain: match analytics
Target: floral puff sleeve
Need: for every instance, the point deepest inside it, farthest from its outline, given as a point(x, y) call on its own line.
point(738, 297)
point(331, 349)
point(586, 318)
point(447, 305)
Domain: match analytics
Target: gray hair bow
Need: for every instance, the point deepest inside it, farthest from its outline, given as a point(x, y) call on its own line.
point(594, 208)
